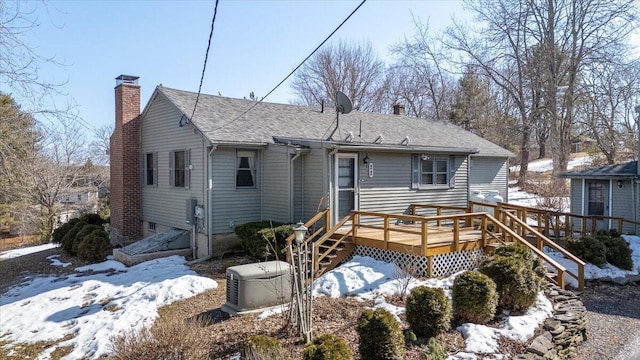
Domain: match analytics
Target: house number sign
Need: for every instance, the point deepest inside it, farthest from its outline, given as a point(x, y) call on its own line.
point(370, 170)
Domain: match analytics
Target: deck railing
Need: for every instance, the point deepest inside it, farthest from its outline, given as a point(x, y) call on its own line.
point(559, 224)
point(314, 227)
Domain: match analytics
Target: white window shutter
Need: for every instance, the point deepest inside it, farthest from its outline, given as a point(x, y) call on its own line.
point(187, 168)
point(172, 159)
point(452, 171)
point(415, 171)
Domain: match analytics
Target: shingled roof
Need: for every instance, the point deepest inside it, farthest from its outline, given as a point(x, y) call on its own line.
point(218, 118)
point(624, 170)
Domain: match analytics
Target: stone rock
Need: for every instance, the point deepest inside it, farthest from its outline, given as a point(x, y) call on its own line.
point(551, 324)
point(620, 280)
point(541, 344)
point(557, 331)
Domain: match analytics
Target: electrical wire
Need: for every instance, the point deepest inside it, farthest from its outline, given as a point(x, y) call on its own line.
point(293, 71)
point(206, 57)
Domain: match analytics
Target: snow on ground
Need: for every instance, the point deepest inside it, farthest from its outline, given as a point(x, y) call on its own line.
point(522, 198)
point(96, 303)
point(608, 271)
point(55, 262)
point(26, 250)
point(544, 165)
point(367, 278)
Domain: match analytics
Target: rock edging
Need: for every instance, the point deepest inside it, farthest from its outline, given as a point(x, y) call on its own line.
point(563, 331)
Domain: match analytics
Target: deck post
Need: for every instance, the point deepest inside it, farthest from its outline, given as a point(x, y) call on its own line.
point(424, 237)
point(355, 223)
point(483, 231)
point(580, 277)
point(594, 225)
point(560, 279)
point(327, 219)
point(429, 266)
point(456, 233)
point(386, 231)
point(620, 225)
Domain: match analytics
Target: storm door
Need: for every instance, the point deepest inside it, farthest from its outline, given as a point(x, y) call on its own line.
point(345, 185)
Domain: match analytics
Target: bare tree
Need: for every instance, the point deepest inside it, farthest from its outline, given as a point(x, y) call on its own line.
point(352, 68)
point(100, 146)
point(418, 79)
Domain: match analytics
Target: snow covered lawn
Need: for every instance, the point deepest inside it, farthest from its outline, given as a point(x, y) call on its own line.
point(544, 165)
point(95, 303)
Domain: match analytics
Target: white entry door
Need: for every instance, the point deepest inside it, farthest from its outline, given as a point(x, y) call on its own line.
point(345, 189)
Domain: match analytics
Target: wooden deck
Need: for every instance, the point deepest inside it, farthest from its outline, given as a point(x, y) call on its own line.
point(408, 238)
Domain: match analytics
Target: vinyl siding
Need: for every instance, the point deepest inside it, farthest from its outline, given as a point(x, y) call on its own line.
point(622, 203)
point(389, 190)
point(276, 197)
point(486, 174)
point(315, 188)
point(576, 201)
point(164, 204)
point(298, 189)
point(231, 206)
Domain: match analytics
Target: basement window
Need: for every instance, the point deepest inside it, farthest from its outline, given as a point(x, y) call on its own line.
point(152, 226)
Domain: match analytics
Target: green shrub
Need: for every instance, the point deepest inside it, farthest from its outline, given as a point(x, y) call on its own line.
point(93, 219)
point(517, 274)
point(62, 230)
point(474, 297)
point(618, 252)
point(380, 336)
point(258, 347)
point(84, 231)
point(428, 311)
point(588, 249)
point(435, 351)
point(94, 246)
point(264, 240)
point(327, 347)
point(69, 238)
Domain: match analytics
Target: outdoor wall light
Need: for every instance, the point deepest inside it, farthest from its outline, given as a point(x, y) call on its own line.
point(300, 232)
point(620, 184)
point(366, 159)
point(184, 120)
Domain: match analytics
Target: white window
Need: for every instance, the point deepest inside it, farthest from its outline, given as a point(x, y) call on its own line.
point(245, 169)
point(151, 169)
point(180, 168)
point(431, 171)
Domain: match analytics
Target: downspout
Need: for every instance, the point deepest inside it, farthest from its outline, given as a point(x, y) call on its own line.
point(635, 205)
point(208, 209)
point(610, 199)
point(292, 184)
point(330, 183)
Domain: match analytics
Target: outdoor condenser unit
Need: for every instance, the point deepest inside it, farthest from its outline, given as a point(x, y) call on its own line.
point(257, 287)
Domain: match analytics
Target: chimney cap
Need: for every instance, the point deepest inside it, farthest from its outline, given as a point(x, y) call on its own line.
point(127, 79)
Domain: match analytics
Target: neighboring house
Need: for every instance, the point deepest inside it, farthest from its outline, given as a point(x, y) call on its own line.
point(610, 190)
point(237, 161)
point(79, 196)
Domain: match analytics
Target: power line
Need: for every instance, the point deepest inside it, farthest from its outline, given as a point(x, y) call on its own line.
point(206, 57)
point(293, 71)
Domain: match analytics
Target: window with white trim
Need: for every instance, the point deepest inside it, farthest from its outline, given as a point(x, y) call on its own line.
point(151, 169)
point(180, 168)
point(432, 171)
point(245, 169)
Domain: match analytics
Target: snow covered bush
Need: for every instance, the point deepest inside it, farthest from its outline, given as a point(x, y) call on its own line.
point(518, 276)
point(380, 336)
point(618, 252)
point(474, 298)
point(428, 311)
point(327, 347)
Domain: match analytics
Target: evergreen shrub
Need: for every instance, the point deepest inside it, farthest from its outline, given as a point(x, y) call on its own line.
point(260, 239)
point(327, 347)
point(262, 347)
point(94, 246)
point(380, 336)
point(517, 274)
point(588, 249)
point(474, 298)
point(428, 311)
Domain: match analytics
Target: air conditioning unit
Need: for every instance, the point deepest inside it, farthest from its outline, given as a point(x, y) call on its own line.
point(257, 287)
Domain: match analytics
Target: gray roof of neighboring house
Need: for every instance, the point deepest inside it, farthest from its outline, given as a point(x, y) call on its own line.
point(223, 120)
point(624, 170)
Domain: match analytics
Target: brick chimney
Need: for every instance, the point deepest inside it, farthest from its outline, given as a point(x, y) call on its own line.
point(398, 109)
point(124, 201)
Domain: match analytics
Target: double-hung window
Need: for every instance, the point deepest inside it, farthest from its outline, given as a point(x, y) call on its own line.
point(180, 168)
point(151, 169)
point(245, 169)
point(432, 172)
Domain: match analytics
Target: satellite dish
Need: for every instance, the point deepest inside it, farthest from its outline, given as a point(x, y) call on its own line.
point(343, 102)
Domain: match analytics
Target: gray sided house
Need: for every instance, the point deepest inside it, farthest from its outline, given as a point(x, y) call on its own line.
point(610, 190)
point(236, 161)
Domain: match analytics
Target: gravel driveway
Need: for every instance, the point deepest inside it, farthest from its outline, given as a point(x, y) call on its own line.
point(614, 313)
